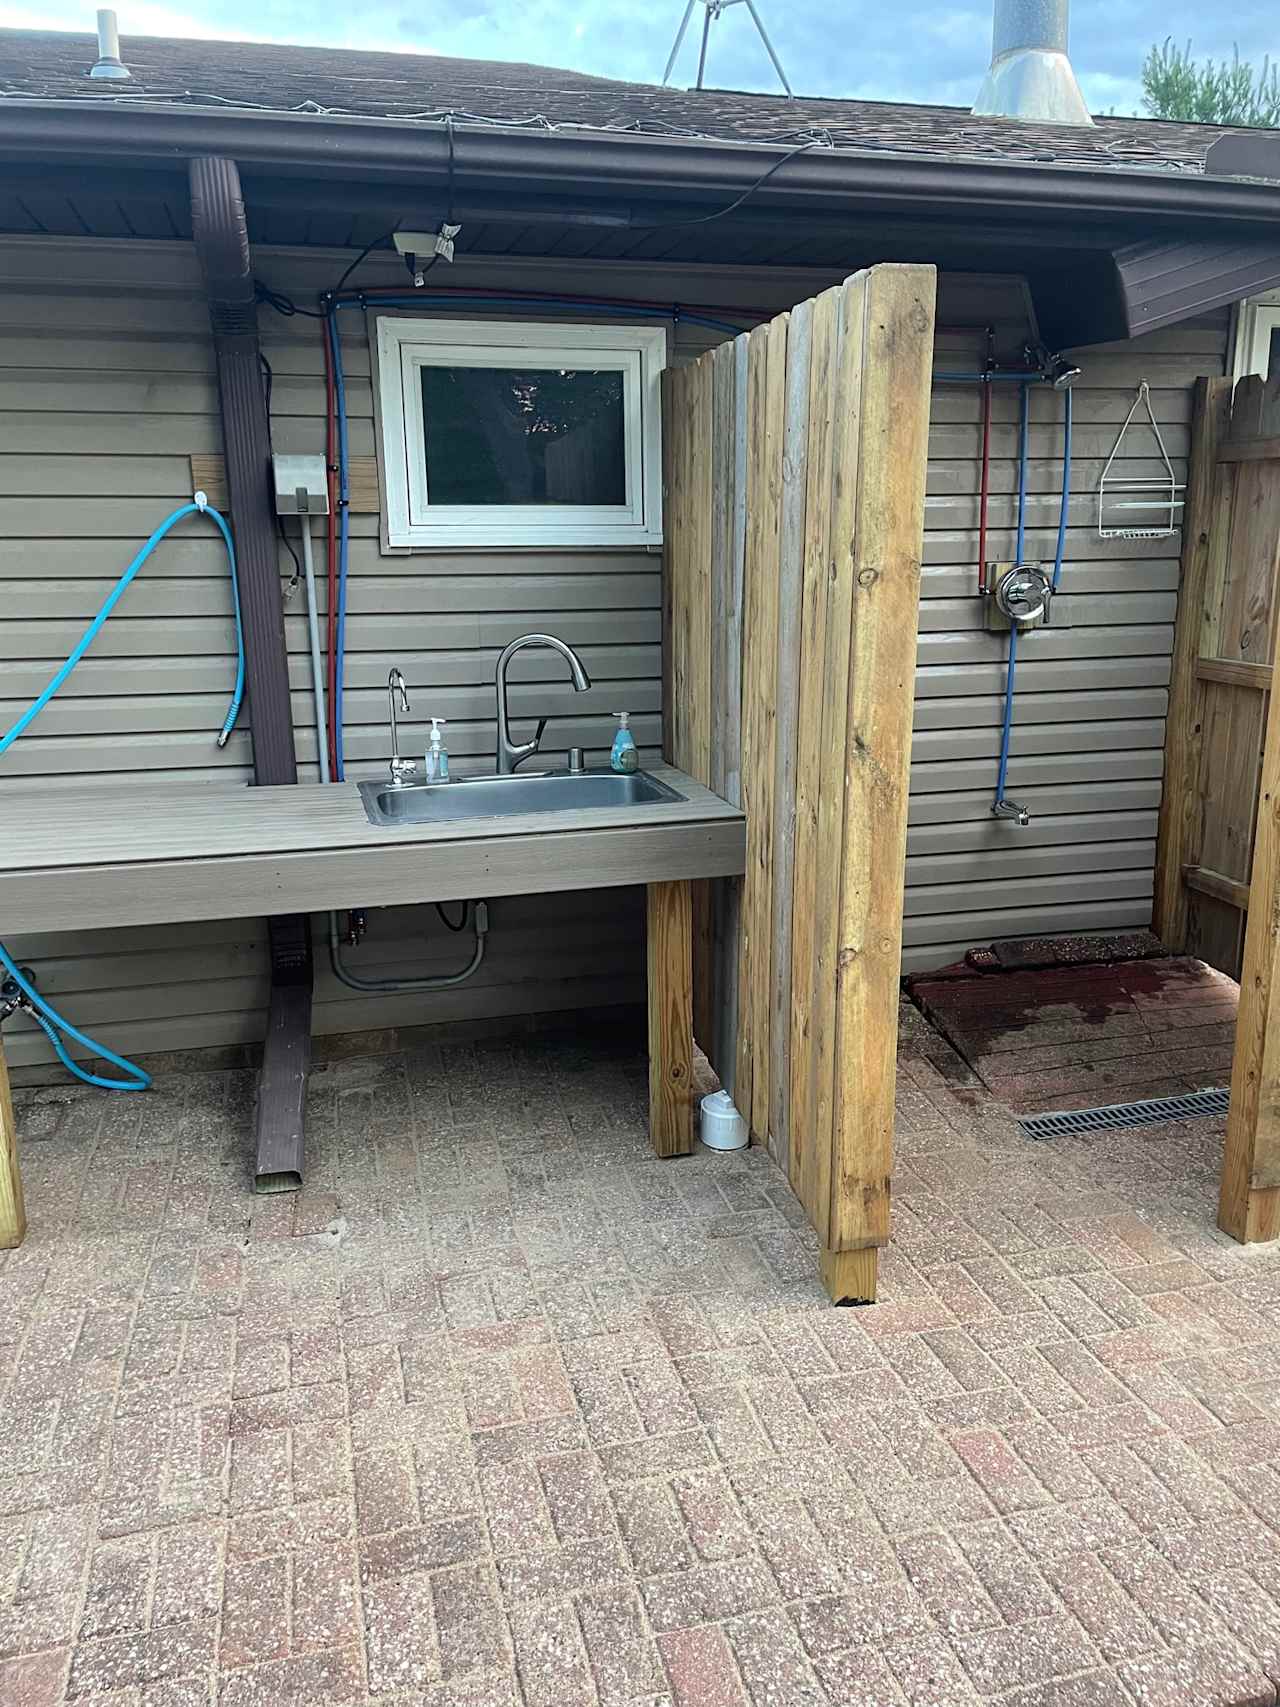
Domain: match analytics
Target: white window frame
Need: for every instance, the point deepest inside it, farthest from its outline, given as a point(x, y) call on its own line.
point(407, 345)
point(1256, 319)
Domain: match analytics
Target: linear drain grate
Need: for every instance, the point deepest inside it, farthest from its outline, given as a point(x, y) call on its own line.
point(1125, 1114)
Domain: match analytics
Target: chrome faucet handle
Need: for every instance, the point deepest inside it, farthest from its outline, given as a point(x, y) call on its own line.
point(519, 754)
point(402, 770)
point(576, 766)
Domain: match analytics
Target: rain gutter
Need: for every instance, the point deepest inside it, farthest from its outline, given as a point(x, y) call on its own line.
point(343, 147)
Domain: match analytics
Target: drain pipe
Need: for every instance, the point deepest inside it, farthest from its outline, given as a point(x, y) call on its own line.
point(221, 238)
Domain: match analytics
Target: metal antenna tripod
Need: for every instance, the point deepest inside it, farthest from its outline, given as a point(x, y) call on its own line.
point(712, 10)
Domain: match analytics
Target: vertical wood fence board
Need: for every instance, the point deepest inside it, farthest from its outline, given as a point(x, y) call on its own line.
point(763, 689)
point(738, 562)
point(750, 947)
point(1183, 728)
point(698, 671)
point(829, 843)
point(699, 501)
point(756, 767)
point(884, 592)
point(787, 667)
point(726, 709)
point(767, 376)
point(1227, 788)
point(675, 382)
point(1249, 1205)
point(725, 628)
point(823, 366)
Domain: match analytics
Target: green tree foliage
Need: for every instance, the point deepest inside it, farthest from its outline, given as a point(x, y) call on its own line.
point(1175, 86)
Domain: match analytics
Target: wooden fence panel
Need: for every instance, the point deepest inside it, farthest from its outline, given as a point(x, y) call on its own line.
point(810, 563)
point(1224, 650)
point(1218, 869)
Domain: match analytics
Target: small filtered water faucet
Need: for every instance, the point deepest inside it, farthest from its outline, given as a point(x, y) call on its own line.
point(401, 769)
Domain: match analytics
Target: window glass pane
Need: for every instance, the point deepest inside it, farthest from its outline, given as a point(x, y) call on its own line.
point(505, 435)
point(1272, 369)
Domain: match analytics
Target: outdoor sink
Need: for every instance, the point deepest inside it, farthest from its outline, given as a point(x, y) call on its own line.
point(507, 796)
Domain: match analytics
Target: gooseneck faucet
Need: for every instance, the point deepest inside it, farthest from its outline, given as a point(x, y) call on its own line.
point(401, 769)
point(509, 755)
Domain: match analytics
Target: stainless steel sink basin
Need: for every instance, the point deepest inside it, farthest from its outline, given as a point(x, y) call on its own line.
point(507, 796)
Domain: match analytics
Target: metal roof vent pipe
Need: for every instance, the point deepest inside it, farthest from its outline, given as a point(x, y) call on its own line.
point(1030, 76)
point(109, 62)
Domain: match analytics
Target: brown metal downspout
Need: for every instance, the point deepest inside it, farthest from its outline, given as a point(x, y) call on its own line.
point(222, 247)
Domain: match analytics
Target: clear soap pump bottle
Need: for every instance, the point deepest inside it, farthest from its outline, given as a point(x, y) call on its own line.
point(436, 767)
point(624, 757)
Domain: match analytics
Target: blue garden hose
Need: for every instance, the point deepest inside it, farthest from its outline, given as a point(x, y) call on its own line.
point(113, 599)
point(55, 1027)
point(1006, 732)
point(47, 1017)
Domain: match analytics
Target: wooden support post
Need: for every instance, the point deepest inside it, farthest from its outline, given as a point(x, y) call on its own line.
point(13, 1214)
point(850, 1276)
point(671, 1018)
point(1249, 1203)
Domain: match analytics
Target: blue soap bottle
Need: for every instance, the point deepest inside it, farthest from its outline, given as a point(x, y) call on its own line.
point(624, 757)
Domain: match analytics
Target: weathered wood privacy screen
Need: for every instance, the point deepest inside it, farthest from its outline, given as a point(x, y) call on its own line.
point(795, 470)
point(1218, 872)
point(1224, 649)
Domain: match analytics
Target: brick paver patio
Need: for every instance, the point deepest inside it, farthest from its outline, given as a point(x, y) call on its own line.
point(502, 1410)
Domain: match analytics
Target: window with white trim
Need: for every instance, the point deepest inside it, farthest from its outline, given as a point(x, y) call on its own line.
point(514, 433)
point(1257, 335)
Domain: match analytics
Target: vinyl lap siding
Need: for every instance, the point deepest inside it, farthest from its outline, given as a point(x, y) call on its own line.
point(106, 390)
point(1088, 737)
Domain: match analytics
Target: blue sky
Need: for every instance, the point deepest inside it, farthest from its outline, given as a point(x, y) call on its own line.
point(910, 50)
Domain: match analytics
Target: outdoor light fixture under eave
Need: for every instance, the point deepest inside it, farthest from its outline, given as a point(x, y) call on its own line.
point(422, 249)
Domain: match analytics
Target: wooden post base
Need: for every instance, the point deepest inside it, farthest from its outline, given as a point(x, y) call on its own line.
point(670, 928)
point(1249, 1213)
point(13, 1213)
point(850, 1276)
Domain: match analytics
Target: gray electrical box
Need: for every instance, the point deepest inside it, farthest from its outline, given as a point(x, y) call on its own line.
point(305, 473)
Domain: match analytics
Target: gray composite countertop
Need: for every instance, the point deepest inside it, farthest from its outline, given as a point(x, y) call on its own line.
point(92, 855)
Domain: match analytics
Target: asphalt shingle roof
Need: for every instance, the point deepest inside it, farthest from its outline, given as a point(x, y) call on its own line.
point(49, 65)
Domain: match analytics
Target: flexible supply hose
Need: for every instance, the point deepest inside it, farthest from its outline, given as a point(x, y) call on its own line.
point(1006, 730)
point(55, 1027)
point(441, 981)
point(198, 506)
